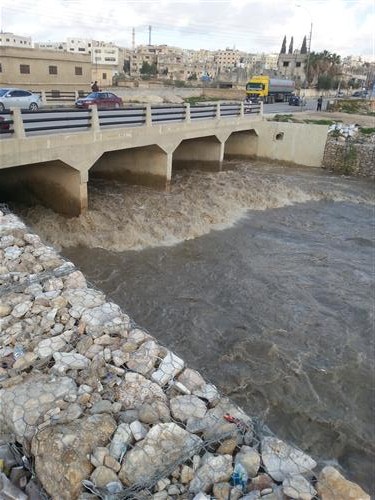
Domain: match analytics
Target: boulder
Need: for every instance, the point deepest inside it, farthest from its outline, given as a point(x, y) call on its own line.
point(135, 390)
point(250, 460)
point(22, 406)
point(298, 487)
point(282, 460)
point(216, 469)
point(184, 407)
point(169, 368)
point(333, 486)
point(61, 453)
point(143, 359)
point(162, 448)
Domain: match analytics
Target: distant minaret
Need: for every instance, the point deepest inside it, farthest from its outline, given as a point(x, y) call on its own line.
point(133, 39)
point(149, 34)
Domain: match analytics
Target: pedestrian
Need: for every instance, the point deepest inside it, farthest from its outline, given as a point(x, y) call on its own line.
point(320, 102)
point(94, 87)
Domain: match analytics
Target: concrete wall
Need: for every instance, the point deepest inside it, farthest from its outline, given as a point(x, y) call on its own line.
point(39, 62)
point(298, 143)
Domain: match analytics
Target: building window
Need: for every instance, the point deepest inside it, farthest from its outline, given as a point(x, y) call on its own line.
point(24, 69)
point(298, 64)
point(286, 64)
point(78, 70)
point(104, 76)
point(52, 70)
point(81, 49)
point(1, 68)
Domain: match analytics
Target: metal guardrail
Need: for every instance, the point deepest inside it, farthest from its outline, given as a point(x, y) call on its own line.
point(55, 120)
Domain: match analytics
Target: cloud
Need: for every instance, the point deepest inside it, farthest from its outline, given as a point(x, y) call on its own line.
point(342, 26)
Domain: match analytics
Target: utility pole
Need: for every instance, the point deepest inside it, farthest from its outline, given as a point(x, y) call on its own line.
point(149, 34)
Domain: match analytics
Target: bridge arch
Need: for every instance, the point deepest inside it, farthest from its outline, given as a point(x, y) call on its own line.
point(242, 144)
point(145, 165)
point(201, 152)
point(54, 184)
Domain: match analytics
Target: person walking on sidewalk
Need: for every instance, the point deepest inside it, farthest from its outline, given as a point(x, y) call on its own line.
point(320, 102)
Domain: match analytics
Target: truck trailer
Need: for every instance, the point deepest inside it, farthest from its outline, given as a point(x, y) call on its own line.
point(269, 90)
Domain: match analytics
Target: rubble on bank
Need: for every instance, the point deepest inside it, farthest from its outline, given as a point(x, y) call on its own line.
point(91, 406)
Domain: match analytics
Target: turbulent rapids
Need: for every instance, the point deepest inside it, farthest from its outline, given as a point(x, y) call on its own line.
point(123, 217)
point(260, 277)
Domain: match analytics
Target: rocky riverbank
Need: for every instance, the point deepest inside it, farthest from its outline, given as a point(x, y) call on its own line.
point(91, 406)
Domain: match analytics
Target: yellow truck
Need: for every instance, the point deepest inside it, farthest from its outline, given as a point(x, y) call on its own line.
point(269, 90)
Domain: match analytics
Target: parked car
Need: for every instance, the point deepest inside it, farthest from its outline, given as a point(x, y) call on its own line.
point(104, 100)
point(296, 100)
point(4, 125)
point(340, 93)
point(362, 94)
point(18, 98)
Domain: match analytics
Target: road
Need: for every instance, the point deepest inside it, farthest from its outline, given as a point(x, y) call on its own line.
point(284, 108)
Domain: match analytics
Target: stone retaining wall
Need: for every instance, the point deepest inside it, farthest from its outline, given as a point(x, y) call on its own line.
point(350, 157)
point(89, 401)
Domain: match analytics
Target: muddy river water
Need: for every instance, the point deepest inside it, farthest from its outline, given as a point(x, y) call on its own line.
point(259, 276)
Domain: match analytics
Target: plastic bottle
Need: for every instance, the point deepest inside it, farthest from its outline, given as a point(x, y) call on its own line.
point(18, 352)
point(239, 477)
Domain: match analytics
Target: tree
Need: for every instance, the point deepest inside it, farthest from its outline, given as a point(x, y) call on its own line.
point(126, 66)
point(304, 46)
point(290, 51)
point(148, 69)
point(322, 64)
point(283, 47)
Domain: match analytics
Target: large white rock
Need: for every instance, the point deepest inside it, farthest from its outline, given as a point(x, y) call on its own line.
point(120, 441)
point(84, 297)
point(136, 390)
point(298, 487)
point(249, 458)
point(143, 359)
point(107, 317)
point(22, 406)
point(169, 368)
point(184, 407)
point(69, 361)
point(282, 460)
point(51, 345)
point(163, 447)
point(214, 470)
point(21, 309)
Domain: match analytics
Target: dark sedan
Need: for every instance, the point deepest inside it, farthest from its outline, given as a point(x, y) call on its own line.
point(296, 100)
point(104, 100)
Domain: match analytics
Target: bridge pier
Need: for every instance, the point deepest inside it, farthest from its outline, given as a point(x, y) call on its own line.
point(205, 153)
point(52, 184)
point(146, 166)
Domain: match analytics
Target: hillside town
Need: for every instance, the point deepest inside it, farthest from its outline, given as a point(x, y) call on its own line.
point(75, 62)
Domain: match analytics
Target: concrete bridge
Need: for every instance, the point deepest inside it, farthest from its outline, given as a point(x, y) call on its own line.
point(53, 153)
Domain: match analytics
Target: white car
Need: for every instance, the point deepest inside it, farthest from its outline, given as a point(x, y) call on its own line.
point(18, 98)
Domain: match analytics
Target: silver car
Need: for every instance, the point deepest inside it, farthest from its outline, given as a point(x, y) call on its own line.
point(18, 98)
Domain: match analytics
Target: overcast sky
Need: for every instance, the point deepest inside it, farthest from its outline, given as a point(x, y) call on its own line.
point(342, 26)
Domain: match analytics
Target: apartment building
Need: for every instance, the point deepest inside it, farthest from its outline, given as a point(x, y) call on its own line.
point(79, 45)
point(38, 69)
point(12, 40)
point(292, 66)
point(58, 46)
point(228, 58)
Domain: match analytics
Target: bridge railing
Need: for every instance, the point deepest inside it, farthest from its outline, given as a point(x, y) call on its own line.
point(23, 123)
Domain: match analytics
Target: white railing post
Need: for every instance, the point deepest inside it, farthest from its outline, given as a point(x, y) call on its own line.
point(95, 122)
point(18, 125)
point(148, 116)
point(187, 112)
point(76, 96)
point(44, 97)
point(261, 108)
point(242, 109)
point(218, 111)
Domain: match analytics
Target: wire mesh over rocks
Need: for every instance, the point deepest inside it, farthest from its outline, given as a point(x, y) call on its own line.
point(92, 406)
